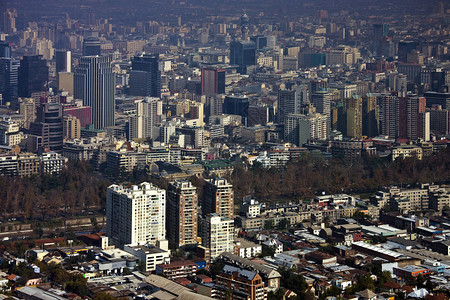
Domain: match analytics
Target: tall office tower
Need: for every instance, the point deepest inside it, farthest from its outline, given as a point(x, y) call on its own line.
point(9, 21)
point(9, 69)
point(404, 48)
point(27, 110)
point(33, 75)
point(237, 105)
point(49, 126)
point(414, 123)
point(218, 197)
point(353, 117)
point(434, 98)
point(243, 54)
point(145, 76)
point(94, 83)
point(213, 81)
point(440, 80)
point(439, 120)
point(92, 47)
point(217, 234)
point(317, 85)
point(63, 61)
point(264, 41)
point(148, 113)
point(245, 22)
point(288, 103)
point(5, 50)
point(398, 83)
point(379, 31)
point(389, 118)
point(370, 118)
point(260, 115)
point(298, 128)
point(182, 213)
point(321, 100)
point(136, 215)
point(71, 127)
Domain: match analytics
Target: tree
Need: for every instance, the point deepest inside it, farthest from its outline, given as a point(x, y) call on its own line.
point(269, 224)
point(103, 296)
point(283, 224)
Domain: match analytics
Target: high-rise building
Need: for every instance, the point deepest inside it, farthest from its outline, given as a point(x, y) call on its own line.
point(145, 76)
point(321, 100)
point(63, 61)
point(182, 213)
point(94, 83)
point(33, 75)
point(213, 81)
point(148, 113)
point(236, 105)
point(136, 215)
point(218, 197)
point(414, 123)
point(71, 127)
point(289, 102)
point(298, 128)
point(82, 113)
point(434, 98)
point(27, 110)
point(217, 234)
point(9, 21)
point(92, 47)
point(370, 118)
point(353, 117)
point(389, 118)
point(5, 50)
point(404, 48)
point(49, 126)
point(379, 31)
point(439, 120)
point(9, 69)
point(243, 54)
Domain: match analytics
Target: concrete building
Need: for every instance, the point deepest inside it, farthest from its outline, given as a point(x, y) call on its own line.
point(217, 234)
point(136, 215)
point(218, 198)
point(182, 213)
point(150, 255)
point(298, 128)
point(10, 134)
point(71, 128)
point(52, 162)
point(148, 113)
point(242, 284)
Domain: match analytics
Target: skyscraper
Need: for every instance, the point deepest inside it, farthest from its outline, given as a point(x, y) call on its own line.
point(91, 47)
point(9, 69)
point(136, 215)
point(49, 126)
point(63, 61)
point(322, 102)
point(148, 113)
point(218, 197)
point(33, 75)
point(94, 83)
point(379, 31)
point(182, 213)
point(288, 103)
point(236, 105)
point(145, 76)
point(389, 107)
point(217, 234)
point(213, 81)
point(370, 116)
point(243, 54)
point(298, 128)
point(5, 50)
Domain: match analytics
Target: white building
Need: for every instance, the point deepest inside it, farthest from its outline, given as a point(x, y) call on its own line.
point(150, 255)
point(136, 215)
point(148, 113)
point(217, 234)
point(10, 134)
point(52, 162)
point(247, 249)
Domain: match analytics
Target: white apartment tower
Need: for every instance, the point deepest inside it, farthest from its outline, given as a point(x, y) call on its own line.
point(136, 215)
point(217, 234)
point(148, 113)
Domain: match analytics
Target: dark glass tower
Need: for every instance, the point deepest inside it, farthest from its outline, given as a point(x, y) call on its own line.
point(49, 125)
point(237, 105)
point(63, 61)
point(91, 47)
point(33, 75)
point(145, 76)
point(94, 83)
point(243, 54)
point(5, 50)
point(8, 79)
